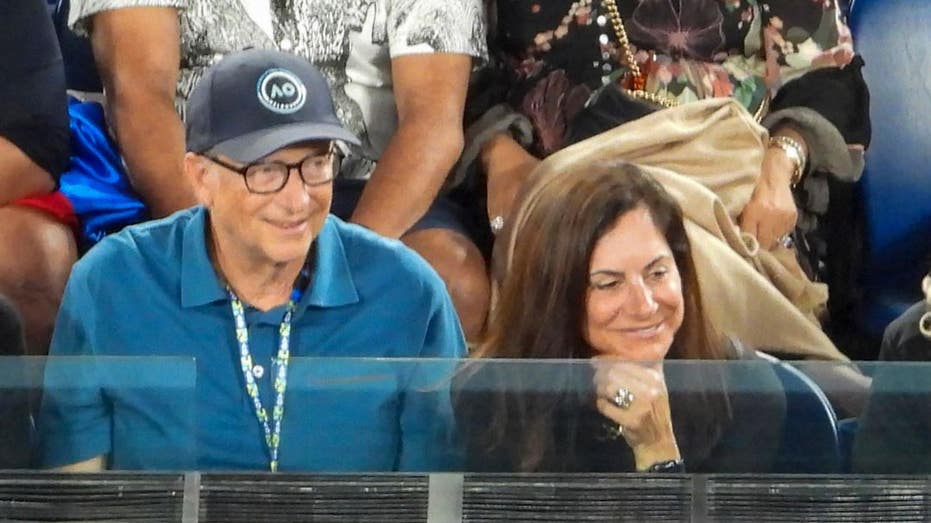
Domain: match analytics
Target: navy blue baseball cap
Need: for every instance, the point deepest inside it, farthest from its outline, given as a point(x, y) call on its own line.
point(255, 102)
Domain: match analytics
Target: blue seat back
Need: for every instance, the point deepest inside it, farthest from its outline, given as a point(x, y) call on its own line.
point(893, 37)
point(809, 442)
point(845, 6)
point(846, 434)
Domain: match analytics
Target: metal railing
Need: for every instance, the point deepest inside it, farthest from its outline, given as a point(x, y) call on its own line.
point(445, 498)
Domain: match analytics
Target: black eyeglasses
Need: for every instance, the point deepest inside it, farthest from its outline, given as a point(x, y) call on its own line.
point(271, 176)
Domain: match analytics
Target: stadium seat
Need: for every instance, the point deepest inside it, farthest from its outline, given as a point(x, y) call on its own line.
point(809, 442)
point(846, 433)
point(895, 190)
point(845, 6)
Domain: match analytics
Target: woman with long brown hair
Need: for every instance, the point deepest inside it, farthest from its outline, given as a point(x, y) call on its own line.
point(602, 272)
point(564, 72)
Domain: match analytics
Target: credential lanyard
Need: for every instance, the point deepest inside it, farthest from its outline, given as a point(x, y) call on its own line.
point(280, 366)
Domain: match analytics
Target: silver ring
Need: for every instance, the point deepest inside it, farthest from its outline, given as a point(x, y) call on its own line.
point(623, 398)
point(786, 241)
point(612, 431)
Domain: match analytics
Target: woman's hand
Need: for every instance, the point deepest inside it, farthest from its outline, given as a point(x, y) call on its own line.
point(506, 165)
point(771, 213)
point(634, 396)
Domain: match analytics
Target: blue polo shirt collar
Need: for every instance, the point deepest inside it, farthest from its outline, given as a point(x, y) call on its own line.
point(200, 284)
point(331, 284)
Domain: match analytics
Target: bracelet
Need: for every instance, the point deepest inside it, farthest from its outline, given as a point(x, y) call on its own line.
point(796, 154)
point(496, 224)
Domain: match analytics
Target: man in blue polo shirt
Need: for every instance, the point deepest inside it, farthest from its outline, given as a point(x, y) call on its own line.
point(247, 284)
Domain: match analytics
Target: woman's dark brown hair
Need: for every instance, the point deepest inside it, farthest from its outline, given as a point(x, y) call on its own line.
point(540, 312)
point(549, 267)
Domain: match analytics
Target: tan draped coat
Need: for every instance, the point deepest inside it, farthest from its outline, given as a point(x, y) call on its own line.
point(708, 155)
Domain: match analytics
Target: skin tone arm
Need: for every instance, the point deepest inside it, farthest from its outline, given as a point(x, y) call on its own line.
point(137, 51)
point(430, 92)
point(771, 211)
point(506, 165)
point(95, 464)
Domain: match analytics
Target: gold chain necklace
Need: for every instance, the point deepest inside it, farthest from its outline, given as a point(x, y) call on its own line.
point(638, 81)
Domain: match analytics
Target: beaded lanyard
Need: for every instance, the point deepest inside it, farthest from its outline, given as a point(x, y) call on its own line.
point(279, 363)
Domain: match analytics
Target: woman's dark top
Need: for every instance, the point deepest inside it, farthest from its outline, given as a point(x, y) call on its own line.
point(580, 439)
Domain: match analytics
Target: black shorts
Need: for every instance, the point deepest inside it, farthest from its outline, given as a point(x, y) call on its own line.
point(33, 102)
point(454, 211)
point(46, 144)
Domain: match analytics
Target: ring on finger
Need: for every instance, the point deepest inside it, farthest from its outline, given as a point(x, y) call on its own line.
point(613, 430)
point(623, 398)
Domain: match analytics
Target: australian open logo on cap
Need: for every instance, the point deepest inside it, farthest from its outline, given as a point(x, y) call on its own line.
point(281, 91)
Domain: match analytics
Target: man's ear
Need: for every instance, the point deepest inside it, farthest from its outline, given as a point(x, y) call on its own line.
point(201, 179)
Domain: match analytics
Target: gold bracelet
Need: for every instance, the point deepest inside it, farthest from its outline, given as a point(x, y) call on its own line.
point(795, 152)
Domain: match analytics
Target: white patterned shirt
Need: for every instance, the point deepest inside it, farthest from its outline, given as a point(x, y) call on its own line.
point(351, 41)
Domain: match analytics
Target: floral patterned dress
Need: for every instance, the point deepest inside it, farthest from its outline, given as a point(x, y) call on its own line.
point(554, 53)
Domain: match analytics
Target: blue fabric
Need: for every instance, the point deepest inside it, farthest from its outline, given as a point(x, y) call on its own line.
point(96, 184)
point(368, 297)
point(895, 192)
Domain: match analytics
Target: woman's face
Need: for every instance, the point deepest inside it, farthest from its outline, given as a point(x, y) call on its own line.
point(633, 305)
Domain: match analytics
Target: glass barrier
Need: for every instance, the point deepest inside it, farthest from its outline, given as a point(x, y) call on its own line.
point(477, 416)
point(135, 413)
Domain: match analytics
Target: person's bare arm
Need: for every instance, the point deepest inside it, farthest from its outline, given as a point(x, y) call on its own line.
point(506, 165)
point(771, 211)
point(137, 50)
point(430, 92)
point(95, 464)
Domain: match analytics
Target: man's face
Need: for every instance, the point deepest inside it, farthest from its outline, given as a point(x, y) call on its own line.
point(275, 228)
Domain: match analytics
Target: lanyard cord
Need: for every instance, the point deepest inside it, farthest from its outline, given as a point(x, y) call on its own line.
point(279, 362)
point(280, 366)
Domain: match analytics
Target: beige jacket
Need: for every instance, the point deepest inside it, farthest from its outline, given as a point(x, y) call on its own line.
point(708, 156)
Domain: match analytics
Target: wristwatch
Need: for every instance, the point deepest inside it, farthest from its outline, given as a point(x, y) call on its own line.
point(668, 466)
